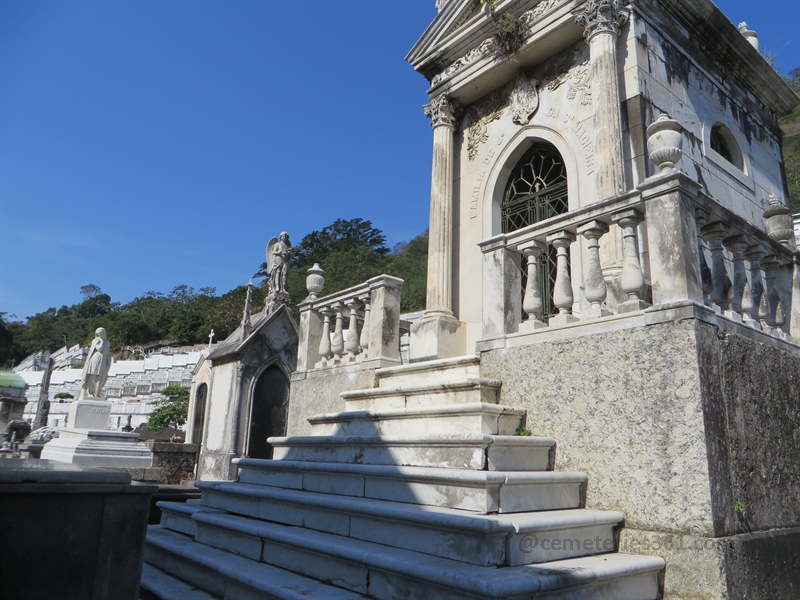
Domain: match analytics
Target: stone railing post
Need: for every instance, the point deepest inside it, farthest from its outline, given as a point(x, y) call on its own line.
point(722, 290)
point(337, 344)
point(364, 339)
point(594, 285)
point(352, 343)
point(770, 265)
point(672, 237)
point(325, 338)
point(736, 245)
point(701, 218)
point(384, 326)
point(753, 254)
point(601, 20)
point(501, 289)
point(632, 280)
point(562, 290)
point(308, 346)
point(532, 303)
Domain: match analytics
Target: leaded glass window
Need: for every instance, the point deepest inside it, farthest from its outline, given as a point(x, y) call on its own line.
point(537, 190)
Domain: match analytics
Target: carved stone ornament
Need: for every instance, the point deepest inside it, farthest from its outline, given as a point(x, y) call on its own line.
point(441, 112)
point(524, 100)
point(601, 16)
point(480, 115)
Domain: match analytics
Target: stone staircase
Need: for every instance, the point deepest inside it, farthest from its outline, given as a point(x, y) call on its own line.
point(418, 490)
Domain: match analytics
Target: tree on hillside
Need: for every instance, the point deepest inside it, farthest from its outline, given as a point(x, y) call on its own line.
point(171, 411)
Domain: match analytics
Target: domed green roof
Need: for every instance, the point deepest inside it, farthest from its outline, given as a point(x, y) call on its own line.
point(9, 379)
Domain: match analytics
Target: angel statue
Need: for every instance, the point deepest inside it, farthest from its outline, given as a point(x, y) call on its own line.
point(98, 363)
point(279, 256)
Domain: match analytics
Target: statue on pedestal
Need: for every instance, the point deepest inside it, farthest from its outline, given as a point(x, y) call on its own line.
point(98, 363)
point(279, 257)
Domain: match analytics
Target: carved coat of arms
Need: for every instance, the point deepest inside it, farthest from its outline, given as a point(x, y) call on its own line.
point(525, 99)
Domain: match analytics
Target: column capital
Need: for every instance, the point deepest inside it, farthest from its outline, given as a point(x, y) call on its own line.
point(441, 111)
point(601, 16)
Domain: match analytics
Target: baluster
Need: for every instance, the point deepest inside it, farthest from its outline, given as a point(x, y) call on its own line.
point(364, 340)
point(632, 279)
point(325, 341)
point(532, 301)
point(594, 285)
point(736, 245)
point(562, 290)
point(753, 255)
point(770, 265)
point(337, 346)
point(701, 218)
point(352, 330)
point(722, 289)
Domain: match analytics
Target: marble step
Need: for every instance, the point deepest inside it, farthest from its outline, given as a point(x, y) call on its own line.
point(468, 451)
point(160, 585)
point(178, 515)
point(429, 372)
point(229, 576)
point(461, 391)
point(380, 571)
point(509, 539)
point(421, 421)
point(479, 491)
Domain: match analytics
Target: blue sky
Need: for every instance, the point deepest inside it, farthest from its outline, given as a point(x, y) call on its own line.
point(148, 144)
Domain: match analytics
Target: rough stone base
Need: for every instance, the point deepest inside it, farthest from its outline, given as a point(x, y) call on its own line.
point(437, 337)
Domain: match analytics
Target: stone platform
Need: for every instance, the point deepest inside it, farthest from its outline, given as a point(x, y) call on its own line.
point(418, 493)
point(98, 448)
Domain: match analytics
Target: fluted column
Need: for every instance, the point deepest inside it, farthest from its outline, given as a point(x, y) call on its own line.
point(601, 20)
point(594, 286)
point(440, 234)
point(562, 290)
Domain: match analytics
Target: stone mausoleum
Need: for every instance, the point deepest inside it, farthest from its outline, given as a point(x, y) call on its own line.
point(603, 394)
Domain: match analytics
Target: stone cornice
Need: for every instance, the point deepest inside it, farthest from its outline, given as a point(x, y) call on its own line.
point(601, 16)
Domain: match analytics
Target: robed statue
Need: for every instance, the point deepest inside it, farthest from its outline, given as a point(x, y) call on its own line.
point(279, 258)
point(97, 366)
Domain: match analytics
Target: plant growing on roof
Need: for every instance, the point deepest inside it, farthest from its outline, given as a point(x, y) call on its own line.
point(509, 35)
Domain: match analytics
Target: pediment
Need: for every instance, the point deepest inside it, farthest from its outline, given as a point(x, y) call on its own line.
point(448, 22)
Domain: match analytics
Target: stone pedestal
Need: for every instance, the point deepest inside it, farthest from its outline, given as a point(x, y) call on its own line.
point(436, 337)
point(98, 448)
point(89, 413)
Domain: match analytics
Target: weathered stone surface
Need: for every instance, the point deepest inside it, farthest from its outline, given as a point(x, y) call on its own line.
point(620, 415)
point(320, 395)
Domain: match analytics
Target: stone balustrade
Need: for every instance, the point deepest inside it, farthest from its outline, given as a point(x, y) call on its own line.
point(681, 249)
point(358, 325)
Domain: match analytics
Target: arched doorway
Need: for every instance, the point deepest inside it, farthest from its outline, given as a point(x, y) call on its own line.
point(199, 413)
point(268, 412)
point(537, 190)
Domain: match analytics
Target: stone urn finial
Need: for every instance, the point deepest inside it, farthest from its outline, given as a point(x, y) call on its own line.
point(664, 143)
point(779, 222)
point(750, 35)
point(314, 281)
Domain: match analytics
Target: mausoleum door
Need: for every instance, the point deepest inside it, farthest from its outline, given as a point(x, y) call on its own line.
point(537, 190)
point(198, 422)
point(268, 412)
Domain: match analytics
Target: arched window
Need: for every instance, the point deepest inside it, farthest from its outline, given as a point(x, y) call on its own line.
point(724, 143)
point(537, 190)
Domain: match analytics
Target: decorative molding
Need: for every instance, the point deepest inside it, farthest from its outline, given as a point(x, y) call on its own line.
point(481, 114)
point(441, 112)
point(576, 76)
point(537, 11)
point(466, 60)
point(524, 99)
point(601, 16)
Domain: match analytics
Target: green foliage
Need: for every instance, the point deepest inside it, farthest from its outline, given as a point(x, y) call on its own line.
point(171, 411)
point(11, 352)
point(509, 35)
point(63, 396)
point(790, 124)
point(524, 431)
point(739, 508)
point(492, 4)
point(341, 236)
